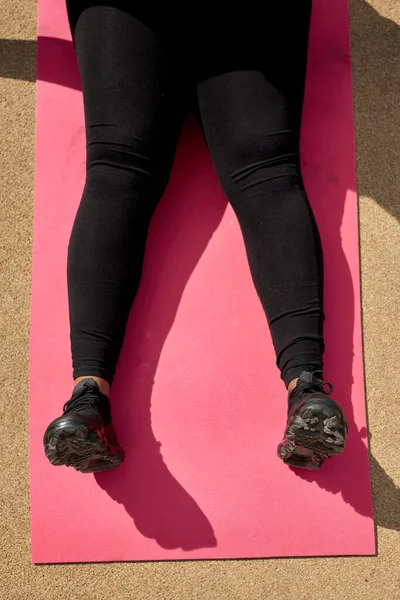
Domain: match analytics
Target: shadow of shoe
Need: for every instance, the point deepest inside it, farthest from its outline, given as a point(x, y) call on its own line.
point(158, 504)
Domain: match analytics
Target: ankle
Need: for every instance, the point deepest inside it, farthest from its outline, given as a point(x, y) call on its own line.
point(292, 384)
point(102, 384)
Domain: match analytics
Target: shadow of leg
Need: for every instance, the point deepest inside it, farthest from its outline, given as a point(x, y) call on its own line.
point(328, 154)
point(386, 497)
point(376, 83)
point(159, 505)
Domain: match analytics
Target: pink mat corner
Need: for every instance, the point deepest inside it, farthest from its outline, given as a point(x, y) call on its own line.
point(201, 478)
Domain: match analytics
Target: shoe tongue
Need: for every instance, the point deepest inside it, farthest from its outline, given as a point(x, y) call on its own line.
point(88, 399)
point(305, 380)
point(85, 385)
point(306, 377)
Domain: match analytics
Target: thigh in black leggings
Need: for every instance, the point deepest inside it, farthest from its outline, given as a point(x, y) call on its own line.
point(250, 81)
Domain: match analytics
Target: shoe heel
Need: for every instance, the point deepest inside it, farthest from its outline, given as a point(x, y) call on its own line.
point(323, 425)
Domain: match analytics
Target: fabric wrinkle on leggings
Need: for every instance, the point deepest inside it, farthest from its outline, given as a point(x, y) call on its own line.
point(139, 68)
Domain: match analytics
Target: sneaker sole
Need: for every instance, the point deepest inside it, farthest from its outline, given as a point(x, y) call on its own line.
point(80, 446)
point(317, 432)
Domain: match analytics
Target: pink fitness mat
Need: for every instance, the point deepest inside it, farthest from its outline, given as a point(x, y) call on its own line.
point(198, 403)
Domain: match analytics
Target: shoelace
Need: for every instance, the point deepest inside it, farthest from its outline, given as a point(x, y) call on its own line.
point(312, 388)
point(86, 399)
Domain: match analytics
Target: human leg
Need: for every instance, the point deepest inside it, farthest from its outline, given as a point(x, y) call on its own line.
point(251, 111)
point(132, 118)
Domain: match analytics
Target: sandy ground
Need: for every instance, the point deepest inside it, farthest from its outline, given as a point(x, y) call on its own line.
point(376, 63)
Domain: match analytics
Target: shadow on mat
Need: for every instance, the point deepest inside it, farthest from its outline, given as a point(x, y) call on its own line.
point(165, 511)
point(158, 504)
point(376, 83)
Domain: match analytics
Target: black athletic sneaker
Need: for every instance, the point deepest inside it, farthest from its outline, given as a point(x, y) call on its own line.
point(316, 428)
point(83, 437)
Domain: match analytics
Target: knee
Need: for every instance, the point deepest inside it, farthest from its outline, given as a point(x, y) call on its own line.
point(119, 157)
point(257, 159)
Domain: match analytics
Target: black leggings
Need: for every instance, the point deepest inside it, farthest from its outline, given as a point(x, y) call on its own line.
point(141, 69)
